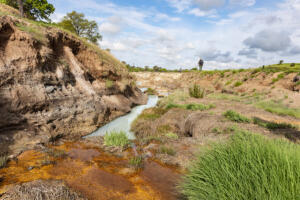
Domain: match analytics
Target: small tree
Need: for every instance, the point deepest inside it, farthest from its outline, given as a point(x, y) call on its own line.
point(281, 62)
point(200, 63)
point(76, 23)
point(32, 9)
point(293, 64)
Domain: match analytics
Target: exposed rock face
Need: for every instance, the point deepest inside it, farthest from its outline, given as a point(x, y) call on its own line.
point(54, 85)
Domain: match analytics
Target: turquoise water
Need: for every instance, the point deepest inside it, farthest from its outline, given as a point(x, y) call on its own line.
point(124, 123)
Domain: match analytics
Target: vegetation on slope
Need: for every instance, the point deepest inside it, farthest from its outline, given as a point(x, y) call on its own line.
point(249, 166)
point(279, 109)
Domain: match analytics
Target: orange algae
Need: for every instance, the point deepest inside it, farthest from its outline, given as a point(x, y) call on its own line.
point(93, 173)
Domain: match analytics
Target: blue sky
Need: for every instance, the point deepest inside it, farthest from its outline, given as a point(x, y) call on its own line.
point(176, 33)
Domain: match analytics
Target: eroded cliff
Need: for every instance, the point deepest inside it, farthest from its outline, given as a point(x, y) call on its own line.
point(54, 84)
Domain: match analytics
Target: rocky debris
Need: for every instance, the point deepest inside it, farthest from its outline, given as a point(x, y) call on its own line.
point(56, 87)
point(296, 79)
point(199, 124)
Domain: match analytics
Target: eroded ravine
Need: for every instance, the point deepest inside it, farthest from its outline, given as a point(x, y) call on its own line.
point(93, 173)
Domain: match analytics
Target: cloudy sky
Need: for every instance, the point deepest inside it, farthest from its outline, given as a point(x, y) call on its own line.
point(176, 33)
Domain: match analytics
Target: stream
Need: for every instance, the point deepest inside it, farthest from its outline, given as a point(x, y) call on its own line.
point(124, 123)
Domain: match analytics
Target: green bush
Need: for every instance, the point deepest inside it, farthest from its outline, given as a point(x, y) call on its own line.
point(236, 117)
point(247, 167)
point(116, 139)
point(196, 92)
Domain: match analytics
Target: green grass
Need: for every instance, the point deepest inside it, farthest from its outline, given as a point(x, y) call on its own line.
point(152, 114)
point(171, 135)
point(279, 77)
point(191, 106)
point(236, 117)
point(248, 166)
point(272, 125)
point(196, 92)
point(167, 150)
point(279, 108)
point(238, 83)
point(3, 161)
point(136, 162)
point(34, 31)
point(109, 84)
point(173, 97)
point(151, 91)
point(116, 139)
point(222, 96)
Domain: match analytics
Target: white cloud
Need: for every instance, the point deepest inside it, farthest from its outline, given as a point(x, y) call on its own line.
point(269, 40)
point(209, 4)
point(202, 13)
point(180, 5)
point(244, 3)
point(112, 26)
point(149, 37)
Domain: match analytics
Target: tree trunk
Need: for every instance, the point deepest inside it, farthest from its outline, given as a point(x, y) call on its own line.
point(21, 7)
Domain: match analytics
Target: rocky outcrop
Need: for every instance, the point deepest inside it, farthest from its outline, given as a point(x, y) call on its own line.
point(53, 85)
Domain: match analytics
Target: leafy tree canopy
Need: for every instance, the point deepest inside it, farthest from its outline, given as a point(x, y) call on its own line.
point(76, 23)
point(34, 9)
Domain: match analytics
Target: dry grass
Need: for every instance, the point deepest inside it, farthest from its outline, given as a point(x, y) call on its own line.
point(41, 190)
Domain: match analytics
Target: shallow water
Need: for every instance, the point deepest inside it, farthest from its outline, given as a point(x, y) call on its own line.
point(124, 123)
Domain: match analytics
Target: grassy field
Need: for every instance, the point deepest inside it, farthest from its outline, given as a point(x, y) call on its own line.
point(249, 166)
point(278, 108)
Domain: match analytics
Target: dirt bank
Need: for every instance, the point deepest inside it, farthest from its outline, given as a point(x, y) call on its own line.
point(56, 85)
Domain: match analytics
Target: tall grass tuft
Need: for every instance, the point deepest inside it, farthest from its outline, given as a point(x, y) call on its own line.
point(3, 161)
point(116, 139)
point(249, 166)
point(196, 92)
point(236, 117)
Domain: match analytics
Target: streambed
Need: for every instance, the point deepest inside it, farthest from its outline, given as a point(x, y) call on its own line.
point(124, 123)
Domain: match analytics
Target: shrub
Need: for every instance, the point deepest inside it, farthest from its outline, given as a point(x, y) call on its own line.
point(167, 150)
point(3, 161)
point(136, 162)
point(238, 83)
point(196, 92)
point(293, 64)
point(116, 139)
point(236, 117)
point(248, 166)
